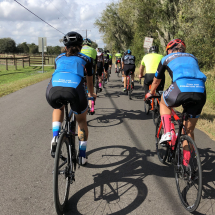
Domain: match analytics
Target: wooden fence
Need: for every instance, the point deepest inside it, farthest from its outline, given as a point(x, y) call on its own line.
point(29, 60)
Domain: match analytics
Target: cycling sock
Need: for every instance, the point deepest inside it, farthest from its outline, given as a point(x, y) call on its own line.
point(82, 148)
point(100, 85)
point(166, 120)
point(186, 155)
point(56, 128)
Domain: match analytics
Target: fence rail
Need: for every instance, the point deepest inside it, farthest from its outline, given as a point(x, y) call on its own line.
point(30, 60)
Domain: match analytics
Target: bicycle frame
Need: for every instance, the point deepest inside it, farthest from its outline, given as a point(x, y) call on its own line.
point(181, 126)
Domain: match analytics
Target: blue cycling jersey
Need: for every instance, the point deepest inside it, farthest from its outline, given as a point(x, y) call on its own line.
point(70, 70)
point(184, 70)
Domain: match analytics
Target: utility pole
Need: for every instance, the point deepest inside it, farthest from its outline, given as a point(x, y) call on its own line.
point(86, 32)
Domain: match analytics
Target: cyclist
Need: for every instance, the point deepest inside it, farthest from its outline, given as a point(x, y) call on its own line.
point(187, 89)
point(118, 56)
point(110, 60)
point(100, 67)
point(90, 52)
point(106, 64)
point(150, 62)
point(67, 83)
point(128, 65)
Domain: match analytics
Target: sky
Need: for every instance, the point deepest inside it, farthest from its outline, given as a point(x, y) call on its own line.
point(65, 15)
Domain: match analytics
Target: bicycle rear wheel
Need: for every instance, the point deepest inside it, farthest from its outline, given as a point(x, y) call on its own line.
point(61, 174)
point(188, 178)
point(103, 81)
point(155, 112)
point(162, 151)
point(129, 92)
point(146, 107)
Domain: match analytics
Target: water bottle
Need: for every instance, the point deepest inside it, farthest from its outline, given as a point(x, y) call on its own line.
point(173, 135)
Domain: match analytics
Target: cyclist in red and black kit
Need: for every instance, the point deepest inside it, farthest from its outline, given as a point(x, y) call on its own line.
point(187, 88)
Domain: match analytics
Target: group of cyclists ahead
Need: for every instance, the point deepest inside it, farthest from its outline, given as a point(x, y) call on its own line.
point(80, 60)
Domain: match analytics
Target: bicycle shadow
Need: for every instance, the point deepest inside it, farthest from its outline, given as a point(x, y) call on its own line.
point(112, 188)
point(207, 204)
point(116, 117)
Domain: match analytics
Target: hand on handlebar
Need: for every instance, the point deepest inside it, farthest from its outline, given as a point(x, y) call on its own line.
point(92, 95)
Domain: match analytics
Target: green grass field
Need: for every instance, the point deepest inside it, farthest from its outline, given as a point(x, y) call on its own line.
point(13, 80)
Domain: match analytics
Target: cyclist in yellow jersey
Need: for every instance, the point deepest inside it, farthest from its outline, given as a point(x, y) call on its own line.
point(118, 56)
point(150, 62)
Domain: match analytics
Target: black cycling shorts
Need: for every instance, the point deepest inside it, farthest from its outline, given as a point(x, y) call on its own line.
point(77, 97)
point(99, 68)
point(148, 81)
point(128, 68)
point(106, 66)
point(191, 102)
point(110, 62)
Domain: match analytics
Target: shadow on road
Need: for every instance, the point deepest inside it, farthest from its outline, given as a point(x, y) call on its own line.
point(118, 191)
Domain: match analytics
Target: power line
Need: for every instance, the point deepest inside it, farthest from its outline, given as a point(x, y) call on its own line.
point(39, 17)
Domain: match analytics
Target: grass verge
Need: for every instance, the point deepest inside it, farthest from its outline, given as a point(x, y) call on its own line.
point(206, 122)
point(13, 80)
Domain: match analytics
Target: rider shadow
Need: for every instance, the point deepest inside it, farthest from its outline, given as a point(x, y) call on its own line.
point(117, 117)
point(122, 189)
point(109, 95)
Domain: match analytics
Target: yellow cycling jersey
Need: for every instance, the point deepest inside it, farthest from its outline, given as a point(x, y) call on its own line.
point(151, 61)
point(89, 51)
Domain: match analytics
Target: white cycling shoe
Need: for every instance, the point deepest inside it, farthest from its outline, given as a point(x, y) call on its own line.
point(164, 138)
point(53, 146)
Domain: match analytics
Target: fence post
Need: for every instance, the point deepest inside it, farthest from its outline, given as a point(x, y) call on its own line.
point(22, 62)
point(29, 60)
point(6, 64)
point(15, 61)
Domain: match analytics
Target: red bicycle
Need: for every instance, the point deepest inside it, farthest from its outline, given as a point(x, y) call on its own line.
point(183, 153)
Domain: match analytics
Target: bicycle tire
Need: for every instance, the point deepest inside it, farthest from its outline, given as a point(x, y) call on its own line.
point(129, 92)
point(162, 152)
point(155, 115)
point(103, 81)
point(191, 175)
point(146, 107)
point(108, 75)
point(61, 206)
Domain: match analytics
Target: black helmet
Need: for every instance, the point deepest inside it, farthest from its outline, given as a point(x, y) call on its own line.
point(107, 51)
point(72, 39)
point(153, 49)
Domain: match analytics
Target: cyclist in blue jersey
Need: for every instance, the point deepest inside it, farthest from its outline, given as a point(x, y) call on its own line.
point(187, 88)
point(67, 83)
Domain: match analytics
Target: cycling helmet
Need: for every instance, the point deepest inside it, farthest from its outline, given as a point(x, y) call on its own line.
point(87, 41)
point(72, 39)
point(128, 51)
point(153, 49)
point(107, 51)
point(174, 43)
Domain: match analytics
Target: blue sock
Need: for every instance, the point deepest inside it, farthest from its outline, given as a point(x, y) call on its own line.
point(82, 148)
point(56, 128)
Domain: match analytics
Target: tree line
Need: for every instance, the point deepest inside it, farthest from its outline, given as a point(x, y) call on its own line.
point(8, 45)
point(125, 24)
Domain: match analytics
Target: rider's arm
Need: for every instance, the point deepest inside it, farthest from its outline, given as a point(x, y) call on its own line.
point(158, 77)
point(155, 85)
point(141, 70)
point(122, 65)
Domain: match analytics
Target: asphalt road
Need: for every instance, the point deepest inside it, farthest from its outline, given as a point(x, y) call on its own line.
point(123, 175)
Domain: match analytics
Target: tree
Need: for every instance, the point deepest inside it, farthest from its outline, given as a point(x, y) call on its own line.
point(7, 45)
point(23, 48)
point(33, 48)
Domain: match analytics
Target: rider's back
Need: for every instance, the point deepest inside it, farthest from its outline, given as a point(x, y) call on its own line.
point(151, 61)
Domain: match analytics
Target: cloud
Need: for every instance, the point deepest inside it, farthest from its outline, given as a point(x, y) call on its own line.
point(64, 15)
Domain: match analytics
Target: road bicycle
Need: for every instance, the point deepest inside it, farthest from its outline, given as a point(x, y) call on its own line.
point(188, 172)
point(129, 85)
point(65, 160)
point(118, 67)
point(153, 105)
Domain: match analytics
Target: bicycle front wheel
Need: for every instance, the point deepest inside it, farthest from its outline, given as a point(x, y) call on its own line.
point(162, 151)
point(129, 92)
point(146, 107)
point(61, 174)
point(188, 174)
